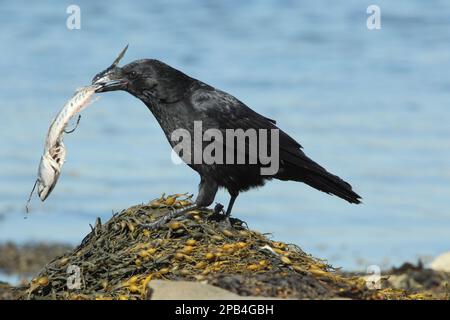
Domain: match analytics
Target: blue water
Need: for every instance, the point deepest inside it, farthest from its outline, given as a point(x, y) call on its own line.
point(371, 106)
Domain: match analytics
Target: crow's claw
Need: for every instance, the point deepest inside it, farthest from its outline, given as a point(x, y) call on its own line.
point(167, 217)
point(218, 209)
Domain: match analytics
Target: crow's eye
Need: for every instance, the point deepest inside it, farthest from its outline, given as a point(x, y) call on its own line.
point(133, 75)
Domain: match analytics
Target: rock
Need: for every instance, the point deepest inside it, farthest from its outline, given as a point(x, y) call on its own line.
point(404, 282)
point(189, 290)
point(441, 263)
point(28, 258)
point(7, 292)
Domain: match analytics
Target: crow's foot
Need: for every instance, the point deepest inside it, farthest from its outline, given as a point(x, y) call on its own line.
point(218, 209)
point(222, 217)
point(167, 217)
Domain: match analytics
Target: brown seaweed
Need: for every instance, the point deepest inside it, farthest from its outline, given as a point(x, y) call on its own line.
point(118, 259)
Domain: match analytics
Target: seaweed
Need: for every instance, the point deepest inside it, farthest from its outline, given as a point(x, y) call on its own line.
point(119, 258)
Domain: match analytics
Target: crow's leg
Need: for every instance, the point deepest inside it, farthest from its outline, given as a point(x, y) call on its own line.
point(207, 192)
point(231, 203)
point(226, 221)
point(218, 209)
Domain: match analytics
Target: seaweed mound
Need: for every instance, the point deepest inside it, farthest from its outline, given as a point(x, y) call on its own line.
point(118, 259)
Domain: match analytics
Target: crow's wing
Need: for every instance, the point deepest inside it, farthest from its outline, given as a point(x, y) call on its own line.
point(223, 111)
point(220, 110)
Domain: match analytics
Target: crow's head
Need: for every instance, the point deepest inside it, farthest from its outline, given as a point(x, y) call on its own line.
point(148, 79)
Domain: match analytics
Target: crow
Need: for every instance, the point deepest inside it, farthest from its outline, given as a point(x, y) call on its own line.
point(177, 100)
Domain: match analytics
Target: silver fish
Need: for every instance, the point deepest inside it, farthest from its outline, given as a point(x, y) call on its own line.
point(54, 150)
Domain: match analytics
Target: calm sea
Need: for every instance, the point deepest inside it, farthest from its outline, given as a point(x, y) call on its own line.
point(371, 106)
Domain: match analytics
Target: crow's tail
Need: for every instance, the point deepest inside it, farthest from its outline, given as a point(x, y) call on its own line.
point(331, 184)
point(317, 177)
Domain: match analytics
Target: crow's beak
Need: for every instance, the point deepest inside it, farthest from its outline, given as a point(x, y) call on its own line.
point(112, 78)
point(109, 80)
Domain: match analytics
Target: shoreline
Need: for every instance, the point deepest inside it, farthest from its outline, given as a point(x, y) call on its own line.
point(409, 276)
point(120, 260)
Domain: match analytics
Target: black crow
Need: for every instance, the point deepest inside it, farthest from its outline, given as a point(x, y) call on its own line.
point(177, 100)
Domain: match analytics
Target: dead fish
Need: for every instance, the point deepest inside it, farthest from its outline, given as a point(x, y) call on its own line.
point(54, 150)
point(49, 171)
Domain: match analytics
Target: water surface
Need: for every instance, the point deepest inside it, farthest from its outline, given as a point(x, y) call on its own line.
point(371, 106)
